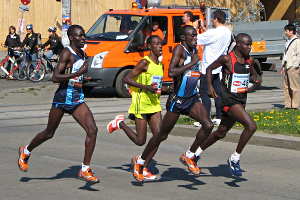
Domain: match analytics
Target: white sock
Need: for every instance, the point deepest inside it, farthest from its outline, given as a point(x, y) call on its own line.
point(84, 167)
point(140, 161)
point(26, 150)
point(189, 154)
point(198, 152)
point(235, 157)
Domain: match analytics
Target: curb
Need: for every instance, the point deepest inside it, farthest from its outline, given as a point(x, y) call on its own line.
point(259, 138)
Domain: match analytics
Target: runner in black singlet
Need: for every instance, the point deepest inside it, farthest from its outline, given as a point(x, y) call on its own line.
point(237, 72)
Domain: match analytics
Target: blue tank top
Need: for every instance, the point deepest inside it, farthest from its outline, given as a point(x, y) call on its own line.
point(186, 84)
point(70, 92)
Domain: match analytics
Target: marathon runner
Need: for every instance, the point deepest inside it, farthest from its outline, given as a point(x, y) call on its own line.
point(68, 98)
point(184, 69)
point(237, 71)
point(145, 81)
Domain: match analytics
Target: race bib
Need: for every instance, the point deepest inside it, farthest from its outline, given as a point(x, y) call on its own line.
point(239, 83)
point(157, 81)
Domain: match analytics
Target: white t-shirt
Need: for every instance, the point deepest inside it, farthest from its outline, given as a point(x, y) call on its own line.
point(216, 42)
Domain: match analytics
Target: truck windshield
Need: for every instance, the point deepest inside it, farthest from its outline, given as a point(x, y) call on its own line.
point(113, 27)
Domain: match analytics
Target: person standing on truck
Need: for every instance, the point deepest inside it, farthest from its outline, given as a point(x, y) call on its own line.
point(145, 81)
point(237, 71)
point(188, 19)
point(216, 42)
point(291, 69)
point(68, 98)
point(184, 69)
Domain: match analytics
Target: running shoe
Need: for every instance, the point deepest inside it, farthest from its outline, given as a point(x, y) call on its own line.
point(235, 167)
point(148, 175)
point(113, 125)
point(191, 164)
point(88, 176)
point(23, 159)
point(137, 170)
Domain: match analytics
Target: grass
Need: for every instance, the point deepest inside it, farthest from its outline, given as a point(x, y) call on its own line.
point(273, 121)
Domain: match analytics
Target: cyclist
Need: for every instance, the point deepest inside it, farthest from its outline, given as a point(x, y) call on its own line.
point(53, 45)
point(31, 42)
point(12, 43)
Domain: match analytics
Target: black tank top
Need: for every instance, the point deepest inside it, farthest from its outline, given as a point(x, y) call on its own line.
point(236, 82)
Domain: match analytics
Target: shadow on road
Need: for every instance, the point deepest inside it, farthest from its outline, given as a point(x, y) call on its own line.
point(71, 172)
point(223, 171)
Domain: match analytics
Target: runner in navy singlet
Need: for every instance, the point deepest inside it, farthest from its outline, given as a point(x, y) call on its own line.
point(68, 98)
point(184, 69)
point(237, 71)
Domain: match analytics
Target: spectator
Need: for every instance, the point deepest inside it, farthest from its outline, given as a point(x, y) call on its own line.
point(188, 19)
point(157, 31)
point(291, 69)
point(31, 42)
point(53, 44)
point(216, 42)
point(12, 42)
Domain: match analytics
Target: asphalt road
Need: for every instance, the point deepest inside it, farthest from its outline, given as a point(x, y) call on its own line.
point(271, 163)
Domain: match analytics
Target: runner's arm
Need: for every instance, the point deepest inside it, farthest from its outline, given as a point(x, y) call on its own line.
point(64, 62)
point(253, 76)
point(176, 68)
point(221, 61)
point(137, 70)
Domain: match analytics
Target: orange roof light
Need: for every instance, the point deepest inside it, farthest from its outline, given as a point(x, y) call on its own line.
point(134, 5)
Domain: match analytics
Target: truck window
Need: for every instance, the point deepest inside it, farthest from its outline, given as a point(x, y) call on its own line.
point(114, 27)
point(155, 25)
point(177, 26)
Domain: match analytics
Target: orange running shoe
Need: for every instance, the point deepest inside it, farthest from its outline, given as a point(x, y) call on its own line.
point(113, 125)
point(137, 170)
point(191, 164)
point(88, 176)
point(23, 159)
point(148, 175)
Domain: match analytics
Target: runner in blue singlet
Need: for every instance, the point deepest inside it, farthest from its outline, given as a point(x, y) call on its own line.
point(68, 98)
point(185, 98)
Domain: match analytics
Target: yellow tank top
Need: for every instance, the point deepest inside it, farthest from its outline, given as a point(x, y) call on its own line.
point(145, 102)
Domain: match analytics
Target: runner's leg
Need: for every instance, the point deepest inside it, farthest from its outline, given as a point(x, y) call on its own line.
point(138, 137)
point(167, 124)
point(55, 116)
point(85, 118)
point(154, 123)
point(199, 113)
point(239, 114)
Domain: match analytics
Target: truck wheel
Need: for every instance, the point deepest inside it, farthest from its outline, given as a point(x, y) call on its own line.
point(121, 87)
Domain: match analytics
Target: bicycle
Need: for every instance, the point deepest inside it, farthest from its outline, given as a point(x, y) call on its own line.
point(18, 66)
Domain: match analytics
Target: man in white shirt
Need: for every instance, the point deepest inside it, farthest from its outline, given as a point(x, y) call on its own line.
point(216, 42)
point(291, 69)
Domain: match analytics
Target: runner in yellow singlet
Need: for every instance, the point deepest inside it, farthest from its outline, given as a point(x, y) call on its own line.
point(145, 82)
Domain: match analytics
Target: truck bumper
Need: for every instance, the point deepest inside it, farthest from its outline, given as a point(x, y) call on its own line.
point(101, 78)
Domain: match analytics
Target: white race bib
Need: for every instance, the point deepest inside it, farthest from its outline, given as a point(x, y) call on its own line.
point(239, 83)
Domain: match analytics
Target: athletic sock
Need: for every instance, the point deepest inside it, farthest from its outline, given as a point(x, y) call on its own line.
point(198, 152)
point(235, 157)
point(140, 161)
point(189, 154)
point(26, 150)
point(84, 167)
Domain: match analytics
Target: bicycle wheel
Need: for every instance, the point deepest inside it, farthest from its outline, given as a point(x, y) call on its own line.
point(36, 72)
point(20, 73)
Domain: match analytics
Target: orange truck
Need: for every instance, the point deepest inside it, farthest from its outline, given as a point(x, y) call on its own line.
point(116, 43)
